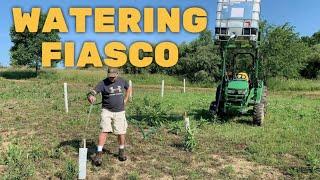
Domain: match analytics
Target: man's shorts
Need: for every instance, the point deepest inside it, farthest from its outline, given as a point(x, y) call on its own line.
point(113, 122)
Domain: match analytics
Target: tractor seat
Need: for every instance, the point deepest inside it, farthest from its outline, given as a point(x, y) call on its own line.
point(242, 76)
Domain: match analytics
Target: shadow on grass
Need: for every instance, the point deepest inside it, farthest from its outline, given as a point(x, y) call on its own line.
point(203, 114)
point(90, 144)
point(18, 74)
point(179, 146)
point(77, 143)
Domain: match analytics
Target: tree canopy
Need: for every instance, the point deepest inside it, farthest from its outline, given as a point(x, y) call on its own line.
point(27, 46)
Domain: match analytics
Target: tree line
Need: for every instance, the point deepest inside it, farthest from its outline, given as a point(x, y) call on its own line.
point(284, 54)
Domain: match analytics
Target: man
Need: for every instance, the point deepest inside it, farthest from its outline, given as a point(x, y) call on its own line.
point(113, 109)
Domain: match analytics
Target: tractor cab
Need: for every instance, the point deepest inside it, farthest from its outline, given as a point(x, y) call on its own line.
point(238, 82)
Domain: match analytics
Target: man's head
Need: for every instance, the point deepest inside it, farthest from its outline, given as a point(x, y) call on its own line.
point(113, 74)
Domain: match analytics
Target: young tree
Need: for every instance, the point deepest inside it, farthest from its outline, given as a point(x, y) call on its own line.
point(27, 46)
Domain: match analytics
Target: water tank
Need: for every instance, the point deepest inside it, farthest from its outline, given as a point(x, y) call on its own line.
point(237, 17)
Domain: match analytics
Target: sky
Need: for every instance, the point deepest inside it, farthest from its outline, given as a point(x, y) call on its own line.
point(303, 14)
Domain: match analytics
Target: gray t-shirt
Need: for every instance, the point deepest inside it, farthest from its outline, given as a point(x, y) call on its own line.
point(112, 94)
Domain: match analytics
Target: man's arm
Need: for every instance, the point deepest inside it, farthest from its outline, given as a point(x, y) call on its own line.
point(128, 89)
point(128, 92)
point(93, 92)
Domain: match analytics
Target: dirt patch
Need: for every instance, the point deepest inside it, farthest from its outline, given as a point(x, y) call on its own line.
point(312, 95)
point(245, 169)
point(2, 169)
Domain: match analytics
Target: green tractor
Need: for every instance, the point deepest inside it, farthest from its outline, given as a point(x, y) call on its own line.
point(241, 90)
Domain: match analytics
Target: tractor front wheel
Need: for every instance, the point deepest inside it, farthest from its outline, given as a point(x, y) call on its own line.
point(258, 114)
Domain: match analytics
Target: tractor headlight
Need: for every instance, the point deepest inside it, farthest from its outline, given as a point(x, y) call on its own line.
point(231, 91)
point(242, 92)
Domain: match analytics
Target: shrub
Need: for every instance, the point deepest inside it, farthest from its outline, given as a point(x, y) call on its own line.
point(153, 112)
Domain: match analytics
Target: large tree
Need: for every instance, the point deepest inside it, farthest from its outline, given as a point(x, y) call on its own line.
point(284, 53)
point(27, 46)
point(313, 40)
point(312, 70)
point(199, 59)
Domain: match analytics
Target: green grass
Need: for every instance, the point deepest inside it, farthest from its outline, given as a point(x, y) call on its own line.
point(46, 139)
point(279, 84)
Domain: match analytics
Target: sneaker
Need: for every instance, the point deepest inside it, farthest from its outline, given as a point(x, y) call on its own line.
point(97, 160)
point(122, 156)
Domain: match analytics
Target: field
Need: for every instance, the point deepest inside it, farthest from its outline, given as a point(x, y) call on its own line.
point(40, 141)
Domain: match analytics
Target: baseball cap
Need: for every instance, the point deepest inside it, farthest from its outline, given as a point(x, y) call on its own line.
point(113, 72)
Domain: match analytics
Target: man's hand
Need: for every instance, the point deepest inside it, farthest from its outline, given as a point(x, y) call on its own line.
point(91, 99)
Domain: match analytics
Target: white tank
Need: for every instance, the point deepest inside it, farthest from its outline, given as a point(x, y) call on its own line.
point(238, 17)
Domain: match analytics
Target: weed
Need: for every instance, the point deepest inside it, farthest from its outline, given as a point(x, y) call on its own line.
point(133, 175)
point(37, 152)
point(227, 172)
point(18, 163)
point(150, 111)
point(69, 170)
point(313, 162)
point(56, 153)
point(175, 129)
point(190, 142)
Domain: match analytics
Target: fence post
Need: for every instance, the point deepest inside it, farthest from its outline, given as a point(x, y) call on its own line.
point(130, 95)
point(162, 88)
point(65, 85)
point(184, 85)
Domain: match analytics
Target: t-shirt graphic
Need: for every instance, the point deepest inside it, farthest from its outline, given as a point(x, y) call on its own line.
point(112, 94)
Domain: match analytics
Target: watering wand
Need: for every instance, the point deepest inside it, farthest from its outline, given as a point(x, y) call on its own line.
point(84, 151)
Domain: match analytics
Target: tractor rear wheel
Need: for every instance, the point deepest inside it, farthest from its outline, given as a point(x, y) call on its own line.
point(258, 114)
point(264, 99)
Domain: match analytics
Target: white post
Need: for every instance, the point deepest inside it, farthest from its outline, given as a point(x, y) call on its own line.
point(82, 163)
point(66, 97)
point(130, 95)
point(184, 85)
point(162, 88)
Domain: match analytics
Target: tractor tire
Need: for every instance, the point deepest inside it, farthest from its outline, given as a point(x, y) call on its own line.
point(264, 99)
point(258, 114)
point(212, 108)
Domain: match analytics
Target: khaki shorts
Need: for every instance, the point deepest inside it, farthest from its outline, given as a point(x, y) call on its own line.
point(113, 122)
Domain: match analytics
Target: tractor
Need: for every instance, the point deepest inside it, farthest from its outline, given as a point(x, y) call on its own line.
point(241, 90)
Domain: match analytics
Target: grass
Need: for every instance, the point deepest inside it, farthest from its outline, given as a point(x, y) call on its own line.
point(279, 84)
point(37, 134)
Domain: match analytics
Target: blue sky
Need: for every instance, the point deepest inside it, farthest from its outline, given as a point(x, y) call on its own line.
point(303, 14)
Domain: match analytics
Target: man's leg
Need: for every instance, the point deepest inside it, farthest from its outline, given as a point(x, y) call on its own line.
point(102, 140)
point(120, 128)
point(121, 140)
point(106, 127)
